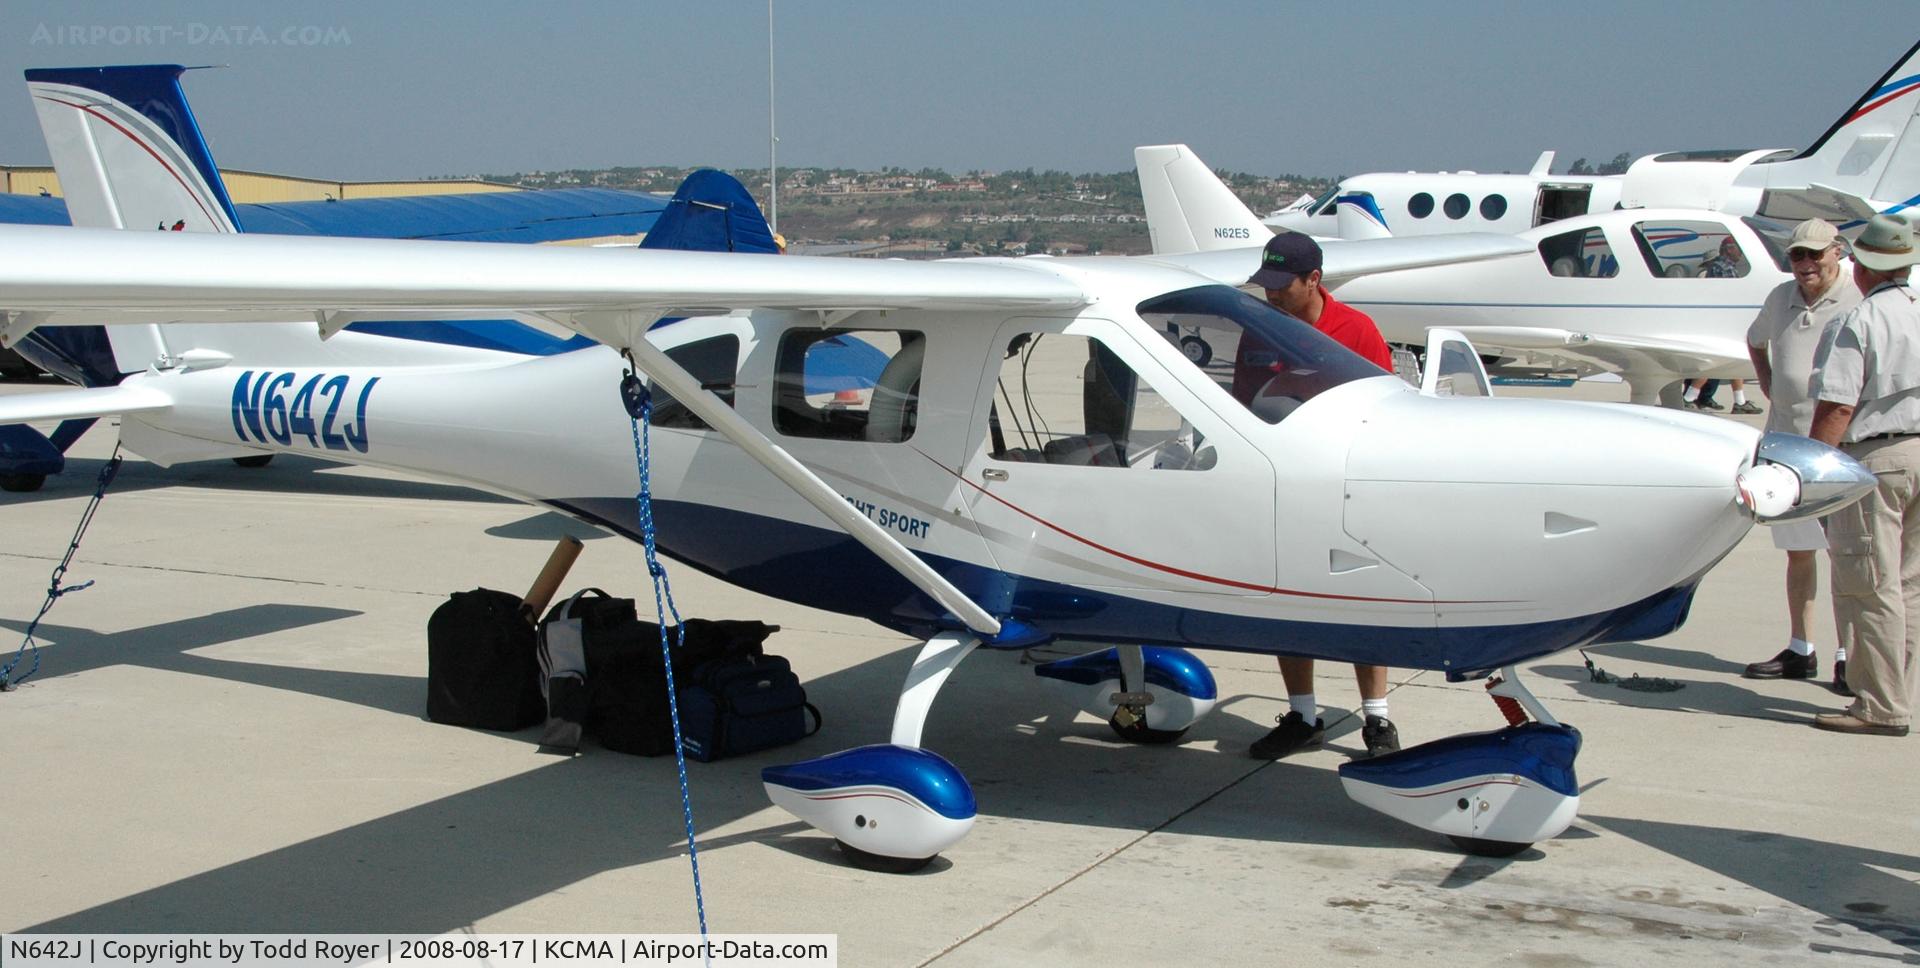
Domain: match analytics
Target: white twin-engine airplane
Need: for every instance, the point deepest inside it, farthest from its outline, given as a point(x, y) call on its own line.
point(1002, 481)
point(1615, 292)
point(1865, 162)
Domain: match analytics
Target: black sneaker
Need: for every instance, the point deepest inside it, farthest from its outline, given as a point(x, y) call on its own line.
point(1747, 408)
point(1380, 735)
point(1787, 665)
point(1291, 736)
point(1840, 678)
point(1708, 405)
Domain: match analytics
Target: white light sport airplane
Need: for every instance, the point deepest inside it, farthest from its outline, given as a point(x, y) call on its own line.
point(1864, 163)
point(1614, 292)
point(992, 487)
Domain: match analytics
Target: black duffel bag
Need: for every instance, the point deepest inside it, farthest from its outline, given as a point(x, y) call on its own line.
point(741, 704)
point(482, 670)
point(628, 682)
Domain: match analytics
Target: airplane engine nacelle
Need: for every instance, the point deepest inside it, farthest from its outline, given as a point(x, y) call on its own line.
point(1182, 686)
point(1494, 792)
point(892, 807)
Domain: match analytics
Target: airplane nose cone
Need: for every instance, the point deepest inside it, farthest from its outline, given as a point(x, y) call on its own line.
point(1796, 477)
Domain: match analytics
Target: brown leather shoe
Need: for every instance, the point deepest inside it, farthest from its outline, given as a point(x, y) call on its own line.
point(1848, 723)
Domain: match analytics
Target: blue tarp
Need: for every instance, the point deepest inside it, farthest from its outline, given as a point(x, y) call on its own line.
point(534, 216)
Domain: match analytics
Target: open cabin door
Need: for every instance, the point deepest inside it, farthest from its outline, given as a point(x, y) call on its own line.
point(1098, 467)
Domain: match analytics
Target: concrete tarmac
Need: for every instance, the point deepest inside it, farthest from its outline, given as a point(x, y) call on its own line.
point(226, 734)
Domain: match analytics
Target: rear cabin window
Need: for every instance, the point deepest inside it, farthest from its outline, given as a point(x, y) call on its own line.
point(711, 361)
point(848, 384)
point(1580, 254)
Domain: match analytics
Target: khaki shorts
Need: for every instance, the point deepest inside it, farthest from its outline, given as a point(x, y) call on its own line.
point(1805, 534)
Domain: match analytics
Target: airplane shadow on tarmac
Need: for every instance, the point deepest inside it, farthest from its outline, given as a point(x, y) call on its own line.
point(1851, 886)
point(460, 859)
point(1707, 695)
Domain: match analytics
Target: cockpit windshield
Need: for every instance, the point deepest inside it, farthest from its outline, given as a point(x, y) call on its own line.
point(1267, 360)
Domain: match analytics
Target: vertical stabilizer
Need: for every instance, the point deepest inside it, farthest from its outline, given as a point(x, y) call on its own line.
point(1189, 209)
point(1873, 150)
point(127, 149)
point(129, 155)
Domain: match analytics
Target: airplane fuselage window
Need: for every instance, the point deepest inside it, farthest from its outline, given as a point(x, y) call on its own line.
point(1068, 399)
point(845, 384)
point(1420, 205)
point(1580, 254)
point(1493, 207)
point(1683, 249)
point(1458, 206)
point(1268, 361)
point(711, 361)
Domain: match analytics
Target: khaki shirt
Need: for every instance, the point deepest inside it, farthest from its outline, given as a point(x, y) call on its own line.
point(1790, 331)
point(1873, 364)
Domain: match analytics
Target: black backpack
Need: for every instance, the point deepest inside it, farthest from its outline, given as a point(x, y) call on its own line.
point(482, 670)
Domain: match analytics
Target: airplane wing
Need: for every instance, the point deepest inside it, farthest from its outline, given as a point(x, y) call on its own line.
point(609, 295)
point(1611, 352)
point(1344, 260)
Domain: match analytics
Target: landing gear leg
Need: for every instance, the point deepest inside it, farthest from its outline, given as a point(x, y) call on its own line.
point(1492, 794)
point(892, 807)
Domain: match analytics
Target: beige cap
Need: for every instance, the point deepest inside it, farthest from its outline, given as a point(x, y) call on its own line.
point(1886, 244)
point(1814, 233)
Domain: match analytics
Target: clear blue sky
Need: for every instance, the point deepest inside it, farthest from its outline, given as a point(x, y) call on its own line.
point(359, 89)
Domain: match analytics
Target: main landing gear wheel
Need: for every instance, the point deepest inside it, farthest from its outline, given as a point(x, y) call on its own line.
point(1196, 350)
point(1487, 848)
point(1131, 726)
point(254, 460)
point(21, 483)
point(881, 863)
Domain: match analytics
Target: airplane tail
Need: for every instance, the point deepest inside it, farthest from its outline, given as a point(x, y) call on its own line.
point(1189, 209)
point(129, 155)
point(711, 212)
point(1873, 149)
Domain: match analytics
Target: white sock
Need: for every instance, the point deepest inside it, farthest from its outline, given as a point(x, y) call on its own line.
point(1374, 707)
point(1739, 398)
point(1304, 705)
point(1801, 646)
point(1691, 394)
point(1839, 653)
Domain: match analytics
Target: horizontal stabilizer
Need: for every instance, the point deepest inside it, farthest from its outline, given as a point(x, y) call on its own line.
point(73, 404)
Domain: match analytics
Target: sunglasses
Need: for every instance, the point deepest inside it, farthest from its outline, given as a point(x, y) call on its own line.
point(1806, 255)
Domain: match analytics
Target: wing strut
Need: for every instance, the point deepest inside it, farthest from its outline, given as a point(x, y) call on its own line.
point(677, 381)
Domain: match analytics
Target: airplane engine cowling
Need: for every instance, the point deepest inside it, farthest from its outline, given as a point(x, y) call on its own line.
point(1512, 786)
point(887, 802)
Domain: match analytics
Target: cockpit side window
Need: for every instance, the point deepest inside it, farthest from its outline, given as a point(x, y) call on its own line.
point(1268, 361)
point(1682, 249)
point(1067, 399)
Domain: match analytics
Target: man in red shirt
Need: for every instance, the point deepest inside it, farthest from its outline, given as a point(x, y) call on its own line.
point(1290, 273)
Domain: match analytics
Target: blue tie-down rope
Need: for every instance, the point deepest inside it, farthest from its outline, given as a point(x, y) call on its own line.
point(54, 589)
point(639, 403)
